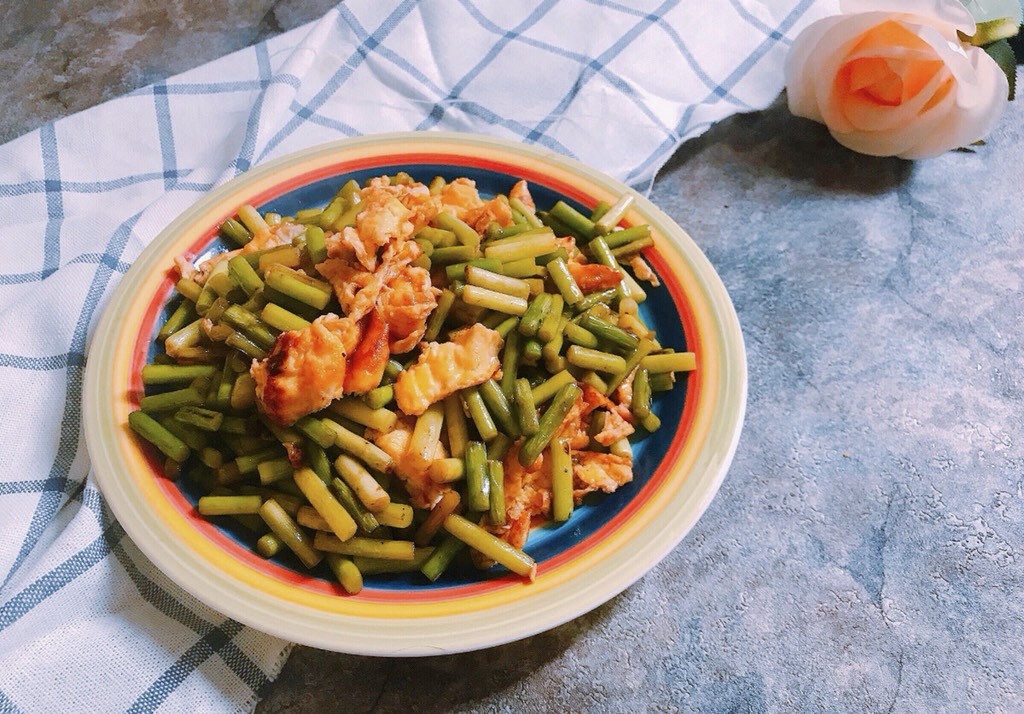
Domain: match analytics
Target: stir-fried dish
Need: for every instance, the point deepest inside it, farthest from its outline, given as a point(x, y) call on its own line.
point(409, 375)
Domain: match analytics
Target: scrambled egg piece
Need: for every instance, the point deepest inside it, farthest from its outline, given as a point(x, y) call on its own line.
point(306, 369)
point(618, 419)
point(405, 303)
point(460, 198)
point(409, 466)
point(527, 496)
point(594, 471)
point(471, 358)
point(385, 300)
point(528, 490)
point(594, 276)
point(402, 293)
point(367, 361)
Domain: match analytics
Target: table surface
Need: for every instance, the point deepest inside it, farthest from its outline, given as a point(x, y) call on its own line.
point(864, 553)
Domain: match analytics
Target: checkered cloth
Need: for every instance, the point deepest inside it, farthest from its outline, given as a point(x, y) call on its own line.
point(86, 622)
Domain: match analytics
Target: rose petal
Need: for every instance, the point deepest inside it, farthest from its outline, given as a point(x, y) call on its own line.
point(889, 34)
point(938, 13)
point(952, 53)
point(908, 54)
point(843, 37)
point(969, 123)
point(891, 81)
point(865, 115)
point(866, 72)
point(797, 70)
point(963, 62)
point(900, 141)
point(916, 74)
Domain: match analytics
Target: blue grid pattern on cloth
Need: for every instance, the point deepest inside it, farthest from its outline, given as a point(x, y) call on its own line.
point(618, 85)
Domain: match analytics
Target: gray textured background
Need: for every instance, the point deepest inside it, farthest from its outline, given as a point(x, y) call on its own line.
point(863, 555)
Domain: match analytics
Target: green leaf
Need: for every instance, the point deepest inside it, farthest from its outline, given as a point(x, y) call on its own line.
point(1002, 53)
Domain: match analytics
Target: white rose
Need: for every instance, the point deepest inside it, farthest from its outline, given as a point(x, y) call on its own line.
point(896, 82)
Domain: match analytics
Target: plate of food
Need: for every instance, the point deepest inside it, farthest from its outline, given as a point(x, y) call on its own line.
point(414, 393)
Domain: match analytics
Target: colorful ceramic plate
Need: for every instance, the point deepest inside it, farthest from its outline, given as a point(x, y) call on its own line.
point(610, 541)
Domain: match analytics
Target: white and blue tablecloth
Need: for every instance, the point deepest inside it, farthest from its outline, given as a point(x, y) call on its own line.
point(87, 624)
